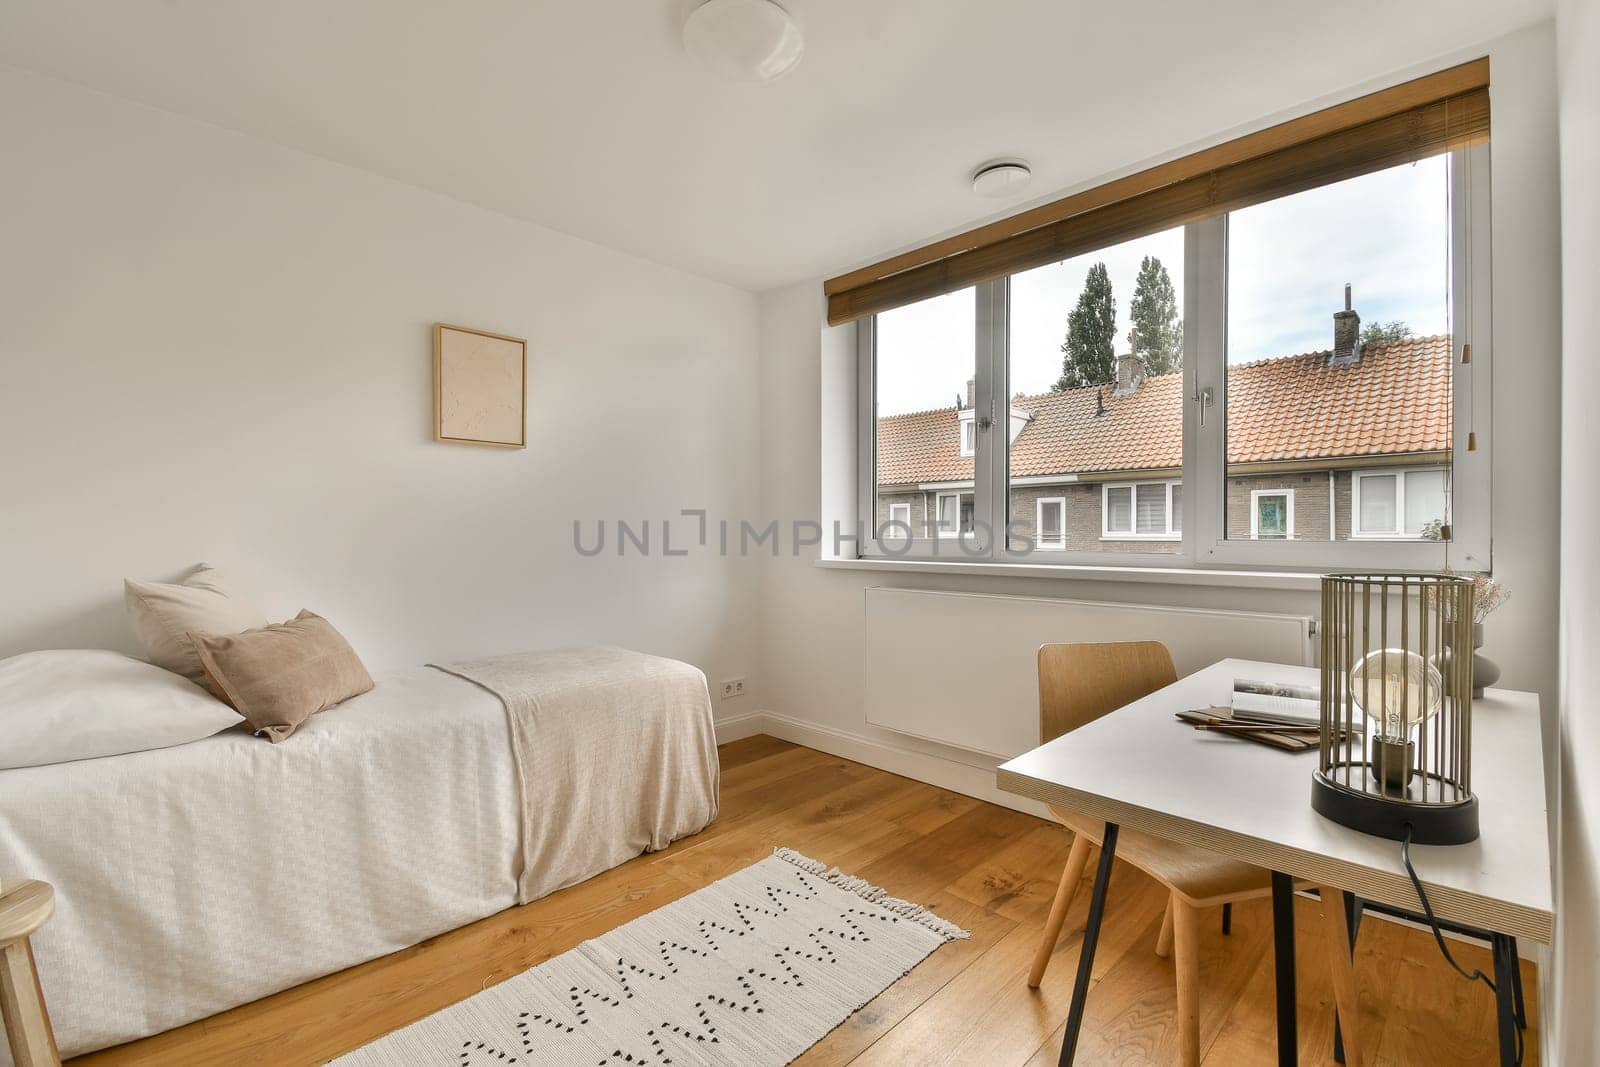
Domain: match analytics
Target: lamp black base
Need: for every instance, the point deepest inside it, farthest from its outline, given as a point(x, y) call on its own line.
point(1431, 824)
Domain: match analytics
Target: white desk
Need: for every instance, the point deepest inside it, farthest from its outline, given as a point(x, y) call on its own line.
point(1142, 768)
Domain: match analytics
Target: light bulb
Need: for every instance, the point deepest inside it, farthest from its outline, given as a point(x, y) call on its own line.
point(1398, 689)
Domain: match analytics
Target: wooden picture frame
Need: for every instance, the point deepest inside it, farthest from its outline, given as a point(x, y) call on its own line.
point(480, 387)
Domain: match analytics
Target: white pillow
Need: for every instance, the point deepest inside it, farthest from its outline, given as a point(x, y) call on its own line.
point(82, 703)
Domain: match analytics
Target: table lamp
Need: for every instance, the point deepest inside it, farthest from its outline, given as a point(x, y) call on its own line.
point(1396, 706)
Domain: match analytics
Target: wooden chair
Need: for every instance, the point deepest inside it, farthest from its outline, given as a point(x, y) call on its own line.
point(1078, 684)
point(24, 907)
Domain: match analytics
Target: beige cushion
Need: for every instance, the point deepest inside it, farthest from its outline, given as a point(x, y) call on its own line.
point(279, 676)
point(164, 614)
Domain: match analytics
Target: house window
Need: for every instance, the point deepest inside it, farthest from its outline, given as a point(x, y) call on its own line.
point(1408, 504)
point(1272, 514)
point(921, 363)
point(1337, 363)
point(1141, 510)
point(1050, 520)
point(899, 522)
point(1221, 356)
point(1094, 369)
point(956, 514)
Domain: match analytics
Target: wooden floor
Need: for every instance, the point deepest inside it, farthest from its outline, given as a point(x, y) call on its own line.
point(990, 869)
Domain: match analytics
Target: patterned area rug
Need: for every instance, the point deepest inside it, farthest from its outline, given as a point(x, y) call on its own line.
point(753, 969)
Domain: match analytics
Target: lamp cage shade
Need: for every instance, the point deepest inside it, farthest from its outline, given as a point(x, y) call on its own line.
point(1395, 729)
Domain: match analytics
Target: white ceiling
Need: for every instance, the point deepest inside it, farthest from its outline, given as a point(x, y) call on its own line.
point(587, 116)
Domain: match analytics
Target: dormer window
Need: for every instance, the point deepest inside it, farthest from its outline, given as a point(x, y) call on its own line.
point(969, 433)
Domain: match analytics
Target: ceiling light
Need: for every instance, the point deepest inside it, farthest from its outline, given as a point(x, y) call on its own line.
point(1003, 177)
point(743, 40)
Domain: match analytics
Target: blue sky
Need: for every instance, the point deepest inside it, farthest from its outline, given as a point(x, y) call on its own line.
point(1289, 259)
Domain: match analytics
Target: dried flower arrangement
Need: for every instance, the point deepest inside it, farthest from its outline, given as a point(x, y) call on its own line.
point(1488, 593)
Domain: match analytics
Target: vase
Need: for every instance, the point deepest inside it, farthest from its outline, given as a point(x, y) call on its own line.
point(1485, 671)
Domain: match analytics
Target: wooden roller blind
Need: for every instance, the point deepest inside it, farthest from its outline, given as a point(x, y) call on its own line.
point(1408, 122)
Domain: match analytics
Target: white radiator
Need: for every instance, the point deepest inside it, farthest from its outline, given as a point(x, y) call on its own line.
point(960, 668)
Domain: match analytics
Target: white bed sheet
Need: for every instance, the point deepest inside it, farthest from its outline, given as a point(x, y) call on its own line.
point(193, 879)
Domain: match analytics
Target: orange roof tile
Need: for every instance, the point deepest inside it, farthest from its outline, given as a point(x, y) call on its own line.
point(1395, 401)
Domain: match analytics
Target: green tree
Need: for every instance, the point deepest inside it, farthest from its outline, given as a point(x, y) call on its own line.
point(1089, 353)
point(1382, 333)
point(1158, 329)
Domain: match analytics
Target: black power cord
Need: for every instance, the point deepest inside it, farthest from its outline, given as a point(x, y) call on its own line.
point(1438, 934)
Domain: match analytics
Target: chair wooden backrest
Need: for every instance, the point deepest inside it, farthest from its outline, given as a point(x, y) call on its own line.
point(1078, 683)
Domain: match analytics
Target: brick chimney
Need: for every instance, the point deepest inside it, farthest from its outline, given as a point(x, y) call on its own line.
point(1346, 335)
point(972, 393)
point(1130, 374)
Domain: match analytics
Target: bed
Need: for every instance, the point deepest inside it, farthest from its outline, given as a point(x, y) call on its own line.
point(193, 879)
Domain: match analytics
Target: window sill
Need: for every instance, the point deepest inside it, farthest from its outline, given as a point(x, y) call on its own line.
point(1417, 538)
point(1216, 577)
point(1171, 539)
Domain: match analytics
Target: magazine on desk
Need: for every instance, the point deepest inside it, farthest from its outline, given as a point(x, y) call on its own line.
point(1299, 704)
point(1275, 714)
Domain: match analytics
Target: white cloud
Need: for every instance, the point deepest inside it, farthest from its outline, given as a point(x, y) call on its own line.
point(1289, 260)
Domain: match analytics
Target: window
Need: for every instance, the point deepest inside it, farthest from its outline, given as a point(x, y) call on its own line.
point(1281, 383)
point(1362, 375)
point(1142, 509)
point(924, 376)
point(1272, 514)
point(899, 522)
point(1409, 504)
point(1094, 369)
point(1050, 519)
point(956, 514)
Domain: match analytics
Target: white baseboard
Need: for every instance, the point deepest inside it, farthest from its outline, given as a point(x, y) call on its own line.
point(907, 762)
point(739, 727)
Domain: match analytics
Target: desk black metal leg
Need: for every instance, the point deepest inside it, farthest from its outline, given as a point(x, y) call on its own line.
point(1516, 984)
point(1091, 936)
point(1283, 967)
point(1505, 982)
point(1352, 918)
point(1227, 919)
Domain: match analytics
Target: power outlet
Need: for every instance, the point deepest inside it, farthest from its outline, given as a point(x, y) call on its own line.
point(733, 687)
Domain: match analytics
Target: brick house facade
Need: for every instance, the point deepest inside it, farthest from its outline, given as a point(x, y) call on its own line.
point(1310, 438)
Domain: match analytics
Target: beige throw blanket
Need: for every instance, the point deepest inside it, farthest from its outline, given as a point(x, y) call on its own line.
point(652, 719)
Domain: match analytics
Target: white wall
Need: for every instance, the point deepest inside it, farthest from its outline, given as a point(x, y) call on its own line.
point(812, 665)
point(214, 348)
point(217, 349)
point(1578, 890)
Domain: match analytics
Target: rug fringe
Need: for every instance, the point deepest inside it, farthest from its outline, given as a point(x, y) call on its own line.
point(869, 892)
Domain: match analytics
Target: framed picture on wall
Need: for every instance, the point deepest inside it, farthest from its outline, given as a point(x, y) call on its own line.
point(480, 387)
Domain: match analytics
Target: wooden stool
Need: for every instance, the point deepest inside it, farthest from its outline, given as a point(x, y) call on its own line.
point(24, 907)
